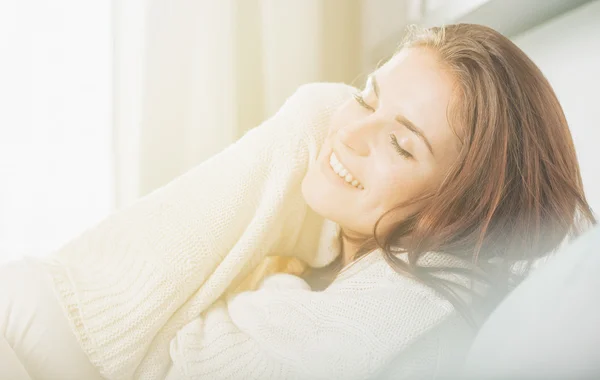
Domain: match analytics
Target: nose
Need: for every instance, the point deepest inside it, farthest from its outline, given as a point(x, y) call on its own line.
point(359, 136)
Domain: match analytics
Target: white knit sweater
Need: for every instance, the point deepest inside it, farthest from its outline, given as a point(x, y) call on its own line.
point(144, 290)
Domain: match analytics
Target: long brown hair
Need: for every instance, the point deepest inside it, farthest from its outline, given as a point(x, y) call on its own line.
point(515, 192)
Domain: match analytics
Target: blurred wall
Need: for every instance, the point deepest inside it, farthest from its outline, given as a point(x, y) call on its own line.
point(380, 21)
point(567, 49)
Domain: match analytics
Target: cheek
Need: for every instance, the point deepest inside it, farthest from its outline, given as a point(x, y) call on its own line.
point(404, 184)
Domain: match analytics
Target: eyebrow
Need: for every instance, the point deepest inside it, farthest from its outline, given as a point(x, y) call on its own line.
point(403, 120)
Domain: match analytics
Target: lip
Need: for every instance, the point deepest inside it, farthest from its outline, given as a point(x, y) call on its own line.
point(328, 170)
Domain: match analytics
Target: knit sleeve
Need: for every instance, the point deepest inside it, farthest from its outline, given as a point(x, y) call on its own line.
point(349, 331)
point(129, 283)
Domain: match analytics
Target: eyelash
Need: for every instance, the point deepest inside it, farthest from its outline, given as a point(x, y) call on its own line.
point(360, 100)
point(400, 151)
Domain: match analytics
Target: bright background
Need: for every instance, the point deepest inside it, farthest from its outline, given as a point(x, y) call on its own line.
point(102, 101)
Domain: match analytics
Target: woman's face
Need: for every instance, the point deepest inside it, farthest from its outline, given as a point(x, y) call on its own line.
point(392, 143)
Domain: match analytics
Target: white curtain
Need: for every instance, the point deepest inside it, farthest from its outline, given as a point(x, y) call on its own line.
point(191, 76)
point(104, 101)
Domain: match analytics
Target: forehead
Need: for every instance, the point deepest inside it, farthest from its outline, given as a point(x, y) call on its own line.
point(415, 84)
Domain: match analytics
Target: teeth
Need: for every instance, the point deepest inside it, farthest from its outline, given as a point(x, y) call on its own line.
point(343, 172)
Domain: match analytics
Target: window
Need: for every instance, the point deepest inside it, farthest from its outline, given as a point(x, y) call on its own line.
point(55, 124)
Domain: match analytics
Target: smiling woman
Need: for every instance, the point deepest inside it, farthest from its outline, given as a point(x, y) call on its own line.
point(463, 148)
point(375, 137)
point(486, 167)
point(452, 164)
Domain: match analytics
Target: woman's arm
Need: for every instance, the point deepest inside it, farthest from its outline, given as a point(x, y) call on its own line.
point(351, 330)
point(131, 282)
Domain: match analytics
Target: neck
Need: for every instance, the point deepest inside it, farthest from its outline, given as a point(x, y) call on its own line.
point(350, 245)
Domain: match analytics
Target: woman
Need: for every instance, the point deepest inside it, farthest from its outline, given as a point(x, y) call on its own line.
point(451, 165)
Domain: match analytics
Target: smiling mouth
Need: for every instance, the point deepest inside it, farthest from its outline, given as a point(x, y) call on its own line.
point(343, 173)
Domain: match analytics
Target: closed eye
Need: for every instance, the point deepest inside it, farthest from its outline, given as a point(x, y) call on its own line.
point(360, 100)
point(399, 149)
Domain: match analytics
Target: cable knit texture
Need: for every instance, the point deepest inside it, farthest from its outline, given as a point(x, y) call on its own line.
point(145, 289)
